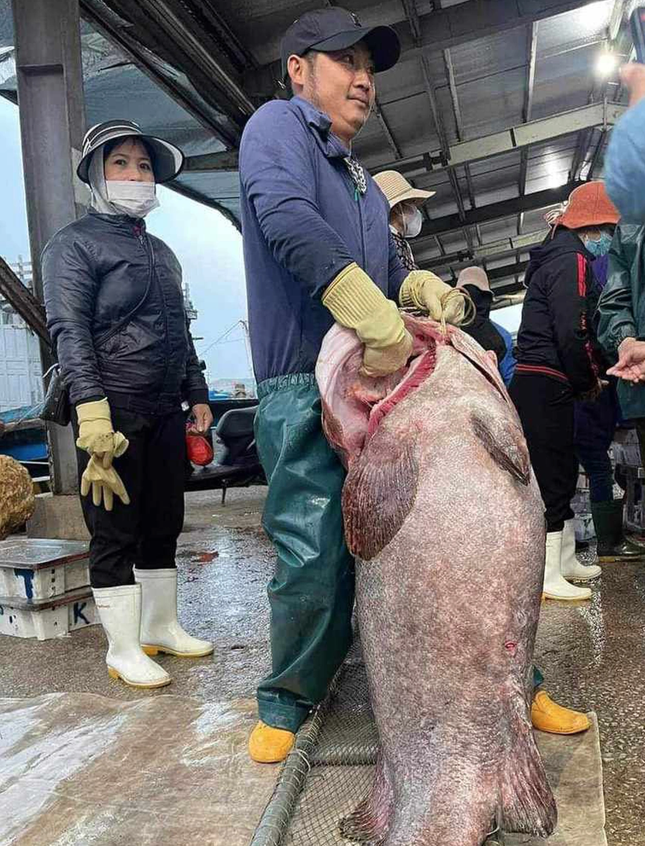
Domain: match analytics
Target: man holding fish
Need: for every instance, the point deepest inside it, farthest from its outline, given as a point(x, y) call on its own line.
point(317, 250)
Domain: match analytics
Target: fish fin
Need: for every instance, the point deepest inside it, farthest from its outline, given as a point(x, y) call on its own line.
point(528, 805)
point(361, 826)
point(379, 492)
point(468, 347)
point(369, 822)
point(505, 443)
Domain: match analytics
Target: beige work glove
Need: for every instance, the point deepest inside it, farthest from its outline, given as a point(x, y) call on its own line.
point(96, 434)
point(104, 482)
point(357, 303)
point(425, 291)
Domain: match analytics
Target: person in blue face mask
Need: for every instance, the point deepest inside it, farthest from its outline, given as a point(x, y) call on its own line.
point(558, 361)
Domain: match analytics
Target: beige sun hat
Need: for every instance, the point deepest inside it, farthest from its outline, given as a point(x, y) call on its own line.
point(397, 189)
point(474, 276)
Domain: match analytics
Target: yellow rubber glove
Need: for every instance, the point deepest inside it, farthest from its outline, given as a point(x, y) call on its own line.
point(425, 291)
point(357, 303)
point(96, 434)
point(104, 482)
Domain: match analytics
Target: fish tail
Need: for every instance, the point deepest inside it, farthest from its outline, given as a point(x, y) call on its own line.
point(368, 824)
point(527, 802)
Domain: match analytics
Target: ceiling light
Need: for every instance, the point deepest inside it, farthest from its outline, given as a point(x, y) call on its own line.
point(606, 64)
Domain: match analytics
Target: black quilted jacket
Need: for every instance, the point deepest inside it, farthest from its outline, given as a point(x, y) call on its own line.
point(95, 272)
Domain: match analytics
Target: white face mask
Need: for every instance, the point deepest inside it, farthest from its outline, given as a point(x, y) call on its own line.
point(135, 199)
point(412, 220)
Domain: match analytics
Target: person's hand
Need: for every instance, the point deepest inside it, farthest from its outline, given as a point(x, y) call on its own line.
point(423, 290)
point(381, 361)
point(203, 417)
point(104, 482)
point(633, 77)
point(631, 361)
point(357, 303)
point(96, 434)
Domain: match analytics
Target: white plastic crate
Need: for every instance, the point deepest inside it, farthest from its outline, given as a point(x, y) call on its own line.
point(35, 569)
point(49, 618)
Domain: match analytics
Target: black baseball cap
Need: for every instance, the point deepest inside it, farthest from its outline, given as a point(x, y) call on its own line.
point(333, 29)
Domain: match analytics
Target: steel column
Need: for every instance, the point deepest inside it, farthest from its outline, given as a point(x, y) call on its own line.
point(52, 122)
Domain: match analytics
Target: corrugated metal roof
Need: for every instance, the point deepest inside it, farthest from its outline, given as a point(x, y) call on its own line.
point(488, 66)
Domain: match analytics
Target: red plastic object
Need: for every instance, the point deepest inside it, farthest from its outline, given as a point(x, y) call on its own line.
point(199, 449)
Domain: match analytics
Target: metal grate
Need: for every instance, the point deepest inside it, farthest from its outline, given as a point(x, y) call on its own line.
point(330, 771)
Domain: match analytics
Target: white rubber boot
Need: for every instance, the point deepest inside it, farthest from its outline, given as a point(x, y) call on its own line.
point(570, 567)
point(120, 612)
point(555, 587)
point(160, 629)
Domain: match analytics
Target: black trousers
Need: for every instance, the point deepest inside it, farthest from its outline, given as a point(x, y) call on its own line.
point(545, 407)
point(144, 533)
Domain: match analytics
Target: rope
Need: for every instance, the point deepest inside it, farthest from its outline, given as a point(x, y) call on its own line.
point(469, 308)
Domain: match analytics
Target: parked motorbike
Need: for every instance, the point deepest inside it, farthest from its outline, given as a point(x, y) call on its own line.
point(236, 463)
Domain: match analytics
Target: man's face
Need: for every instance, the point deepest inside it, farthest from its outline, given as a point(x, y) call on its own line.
point(341, 84)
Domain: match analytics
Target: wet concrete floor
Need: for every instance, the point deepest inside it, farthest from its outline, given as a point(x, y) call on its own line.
point(592, 655)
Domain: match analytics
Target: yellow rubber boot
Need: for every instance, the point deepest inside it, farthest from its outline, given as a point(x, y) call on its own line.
point(268, 745)
point(548, 716)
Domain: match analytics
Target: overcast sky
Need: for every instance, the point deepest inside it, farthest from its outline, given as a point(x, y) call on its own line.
point(207, 245)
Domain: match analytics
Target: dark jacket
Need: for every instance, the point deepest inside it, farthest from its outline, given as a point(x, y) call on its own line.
point(621, 309)
point(555, 338)
point(303, 221)
point(95, 271)
point(489, 335)
point(595, 421)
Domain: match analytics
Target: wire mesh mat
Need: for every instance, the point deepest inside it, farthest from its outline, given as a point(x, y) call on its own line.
point(331, 769)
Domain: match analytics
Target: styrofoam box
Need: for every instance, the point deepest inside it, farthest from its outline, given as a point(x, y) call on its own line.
point(50, 618)
point(43, 584)
point(41, 569)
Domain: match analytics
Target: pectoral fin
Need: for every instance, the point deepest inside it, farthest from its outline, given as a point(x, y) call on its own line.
point(505, 443)
point(379, 493)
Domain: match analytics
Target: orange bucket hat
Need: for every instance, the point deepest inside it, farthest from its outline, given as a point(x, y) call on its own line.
point(588, 205)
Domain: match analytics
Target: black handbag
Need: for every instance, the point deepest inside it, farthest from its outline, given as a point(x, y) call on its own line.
point(57, 407)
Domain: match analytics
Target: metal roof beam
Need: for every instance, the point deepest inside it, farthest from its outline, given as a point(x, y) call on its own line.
point(532, 32)
point(189, 41)
point(444, 28)
point(497, 274)
point(489, 252)
point(414, 23)
point(499, 210)
point(112, 27)
point(475, 19)
point(226, 161)
point(378, 112)
point(514, 138)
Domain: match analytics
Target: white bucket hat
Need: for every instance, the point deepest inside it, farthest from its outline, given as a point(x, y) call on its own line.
point(397, 189)
point(168, 160)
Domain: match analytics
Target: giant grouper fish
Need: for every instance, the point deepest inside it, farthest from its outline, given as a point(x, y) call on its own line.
point(444, 516)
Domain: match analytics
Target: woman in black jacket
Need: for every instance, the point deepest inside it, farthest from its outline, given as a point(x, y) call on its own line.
point(115, 311)
point(557, 362)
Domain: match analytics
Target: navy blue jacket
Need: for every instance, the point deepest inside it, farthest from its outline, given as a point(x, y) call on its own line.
point(303, 221)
